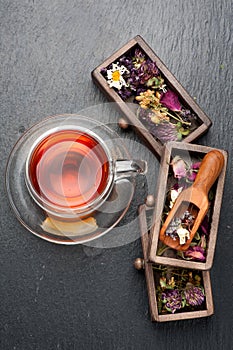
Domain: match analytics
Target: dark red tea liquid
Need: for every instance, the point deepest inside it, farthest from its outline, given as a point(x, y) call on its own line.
point(69, 169)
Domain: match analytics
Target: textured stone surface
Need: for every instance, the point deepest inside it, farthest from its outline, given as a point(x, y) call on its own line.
point(58, 297)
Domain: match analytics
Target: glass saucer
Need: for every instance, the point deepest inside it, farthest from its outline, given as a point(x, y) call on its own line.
point(34, 218)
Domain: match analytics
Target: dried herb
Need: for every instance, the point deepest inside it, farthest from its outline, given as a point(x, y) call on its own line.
point(178, 290)
point(182, 176)
point(136, 75)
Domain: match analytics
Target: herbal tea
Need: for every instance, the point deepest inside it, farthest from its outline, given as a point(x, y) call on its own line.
point(69, 169)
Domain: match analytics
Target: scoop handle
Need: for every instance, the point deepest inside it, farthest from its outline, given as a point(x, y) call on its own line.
point(209, 171)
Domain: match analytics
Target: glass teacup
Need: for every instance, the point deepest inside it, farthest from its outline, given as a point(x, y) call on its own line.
point(71, 170)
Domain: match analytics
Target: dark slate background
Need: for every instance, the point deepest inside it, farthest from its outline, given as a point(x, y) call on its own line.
point(58, 297)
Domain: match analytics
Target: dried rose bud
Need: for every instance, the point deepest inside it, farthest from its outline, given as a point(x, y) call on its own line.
point(179, 167)
point(196, 252)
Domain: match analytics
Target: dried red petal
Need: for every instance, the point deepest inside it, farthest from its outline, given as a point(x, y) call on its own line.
point(170, 100)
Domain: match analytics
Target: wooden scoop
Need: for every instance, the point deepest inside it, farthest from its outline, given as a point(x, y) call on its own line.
point(194, 198)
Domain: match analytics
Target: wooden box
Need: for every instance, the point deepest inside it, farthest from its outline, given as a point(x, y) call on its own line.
point(208, 308)
point(127, 108)
point(190, 153)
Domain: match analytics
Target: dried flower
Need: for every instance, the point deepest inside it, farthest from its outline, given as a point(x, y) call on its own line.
point(163, 282)
point(164, 285)
point(205, 226)
point(147, 70)
point(174, 194)
point(180, 227)
point(148, 99)
point(203, 242)
point(151, 100)
point(195, 252)
point(196, 165)
point(156, 83)
point(172, 282)
point(192, 173)
point(124, 93)
point(115, 76)
point(172, 300)
point(179, 167)
point(139, 58)
point(163, 131)
point(194, 295)
point(157, 116)
point(178, 289)
point(183, 233)
point(170, 100)
point(137, 75)
point(187, 115)
point(192, 176)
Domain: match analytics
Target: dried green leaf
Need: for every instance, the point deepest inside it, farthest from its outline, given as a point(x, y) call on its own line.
point(211, 195)
point(179, 136)
point(197, 236)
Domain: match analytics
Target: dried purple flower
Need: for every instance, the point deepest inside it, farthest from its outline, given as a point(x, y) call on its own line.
point(139, 54)
point(164, 131)
point(170, 100)
point(196, 166)
point(124, 93)
point(140, 72)
point(127, 62)
point(194, 295)
point(176, 186)
point(187, 115)
point(192, 173)
point(205, 225)
point(195, 253)
point(103, 71)
point(192, 176)
point(146, 71)
point(172, 300)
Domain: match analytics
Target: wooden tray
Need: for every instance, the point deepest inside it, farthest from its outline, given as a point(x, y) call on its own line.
point(192, 152)
point(126, 108)
point(151, 284)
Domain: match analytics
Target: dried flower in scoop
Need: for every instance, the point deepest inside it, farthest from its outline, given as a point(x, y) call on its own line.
point(183, 233)
point(180, 227)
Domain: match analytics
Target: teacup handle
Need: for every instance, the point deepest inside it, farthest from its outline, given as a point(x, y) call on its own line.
point(127, 168)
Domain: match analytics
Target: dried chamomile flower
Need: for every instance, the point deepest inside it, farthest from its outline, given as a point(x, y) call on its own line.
point(115, 76)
